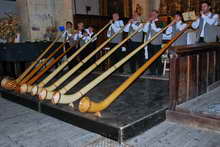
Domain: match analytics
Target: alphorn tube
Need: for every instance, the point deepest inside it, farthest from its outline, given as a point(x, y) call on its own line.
point(27, 87)
point(38, 88)
point(4, 81)
point(86, 105)
point(66, 99)
point(45, 94)
point(88, 70)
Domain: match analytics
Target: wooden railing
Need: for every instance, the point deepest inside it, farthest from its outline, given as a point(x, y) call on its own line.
point(192, 70)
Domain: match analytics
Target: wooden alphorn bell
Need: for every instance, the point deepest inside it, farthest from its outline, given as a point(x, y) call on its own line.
point(21, 77)
point(27, 87)
point(67, 99)
point(86, 105)
point(48, 92)
point(38, 88)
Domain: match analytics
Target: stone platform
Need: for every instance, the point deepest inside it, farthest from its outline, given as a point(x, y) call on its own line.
point(139, 108)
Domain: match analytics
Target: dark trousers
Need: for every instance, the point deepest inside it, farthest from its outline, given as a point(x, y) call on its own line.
point(117, 56)
point(201, 40)
point(86, 52)
point(156, 68)
point(138, 59)
point(69, 54)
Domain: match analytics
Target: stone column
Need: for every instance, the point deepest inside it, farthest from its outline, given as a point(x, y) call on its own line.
point(23, 19)
point(37, 15)
point(63, 11)
point(156, 4)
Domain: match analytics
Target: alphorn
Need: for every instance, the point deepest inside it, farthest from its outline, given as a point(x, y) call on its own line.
point(28, 86)
point(38, 88)
point(66, 99)
point(86, 105)
point(38, 62)
point(76, 80)
point(37, 68)
point(6, 80)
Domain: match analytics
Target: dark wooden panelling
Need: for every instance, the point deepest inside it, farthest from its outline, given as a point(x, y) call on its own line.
point(217, 65)
point(97, 21)
point(174, 78)
point(182, 79)
point(123, 7)
point(192, 84)
point(193, 70)
point(211, 68)
point(202, 73)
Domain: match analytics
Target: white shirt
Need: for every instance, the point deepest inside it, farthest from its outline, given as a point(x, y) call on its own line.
point(207, 19)
point(134, 26)
point(86, 38)
point(90, 34)
point(116, 27)
point(153, 27)
point(179, 25)
point(77, 36)
point(66, 35)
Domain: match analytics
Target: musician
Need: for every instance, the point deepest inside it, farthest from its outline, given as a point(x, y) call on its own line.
point(78, 34)
point(115, 27)
point(87, 36)
point(75, 43)
point(67, 33)
point(206, 24)
point(65, 37)
point(177, 25)
point(132, 25)
point(90, 32)
point(151, 28)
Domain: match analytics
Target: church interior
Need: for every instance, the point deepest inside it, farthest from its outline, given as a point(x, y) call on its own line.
point(110, 73)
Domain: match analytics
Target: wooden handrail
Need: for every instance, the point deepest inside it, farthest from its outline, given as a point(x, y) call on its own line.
point(194, 49)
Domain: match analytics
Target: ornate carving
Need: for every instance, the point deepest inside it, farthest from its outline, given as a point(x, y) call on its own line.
point(169, 7)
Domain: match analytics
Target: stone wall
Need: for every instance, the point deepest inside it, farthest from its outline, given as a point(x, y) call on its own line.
point(37, 15)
